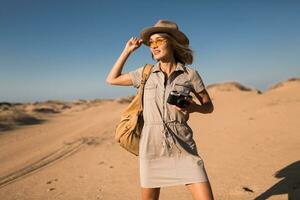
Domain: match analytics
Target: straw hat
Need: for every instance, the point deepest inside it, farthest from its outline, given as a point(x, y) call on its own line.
point(164, 26)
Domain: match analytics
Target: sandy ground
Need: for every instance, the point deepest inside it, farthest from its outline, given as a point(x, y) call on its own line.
point(250, 145)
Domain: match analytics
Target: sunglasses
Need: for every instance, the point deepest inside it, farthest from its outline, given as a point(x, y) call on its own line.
point(158, 42)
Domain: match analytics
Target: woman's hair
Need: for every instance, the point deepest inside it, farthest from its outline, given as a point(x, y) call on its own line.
point(182, 53)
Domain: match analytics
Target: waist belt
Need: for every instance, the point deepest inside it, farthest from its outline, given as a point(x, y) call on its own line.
point(169, 138)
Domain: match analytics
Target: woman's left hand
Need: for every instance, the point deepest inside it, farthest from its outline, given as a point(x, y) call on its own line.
point(189, 109)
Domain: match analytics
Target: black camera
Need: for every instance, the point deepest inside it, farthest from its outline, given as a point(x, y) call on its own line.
point(179, 99)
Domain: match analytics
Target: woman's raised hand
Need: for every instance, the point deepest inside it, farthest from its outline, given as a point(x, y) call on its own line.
point(132, 44)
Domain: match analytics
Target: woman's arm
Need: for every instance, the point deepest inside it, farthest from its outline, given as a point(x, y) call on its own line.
point(205, 107)
point(115, 77)
point(206, 104)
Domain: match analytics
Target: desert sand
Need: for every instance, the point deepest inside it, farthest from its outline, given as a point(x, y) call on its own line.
point(250, 145)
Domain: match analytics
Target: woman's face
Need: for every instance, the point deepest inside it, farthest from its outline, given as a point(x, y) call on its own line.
point(160, 47)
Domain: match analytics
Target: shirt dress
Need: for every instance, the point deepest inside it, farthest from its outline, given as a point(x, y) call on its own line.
point(168, 154)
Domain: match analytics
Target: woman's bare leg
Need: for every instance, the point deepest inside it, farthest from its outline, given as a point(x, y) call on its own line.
point(201, 191)
point(150, 193)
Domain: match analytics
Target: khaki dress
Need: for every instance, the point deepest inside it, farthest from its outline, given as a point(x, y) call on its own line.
point(168, 154)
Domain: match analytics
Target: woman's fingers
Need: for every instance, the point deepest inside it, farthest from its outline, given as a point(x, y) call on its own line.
point(136, 40)
point(178, 108)
point(133, 43)
point(183, 110)
point(133, 39)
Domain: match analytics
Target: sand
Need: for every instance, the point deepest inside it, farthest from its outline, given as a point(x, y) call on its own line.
point(250, 145)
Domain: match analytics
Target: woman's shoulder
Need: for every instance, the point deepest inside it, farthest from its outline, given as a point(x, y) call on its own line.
point(191, 70)
point(195, 79)
point(141, 67)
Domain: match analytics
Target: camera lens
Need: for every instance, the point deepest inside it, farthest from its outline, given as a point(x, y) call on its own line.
point(182, 103)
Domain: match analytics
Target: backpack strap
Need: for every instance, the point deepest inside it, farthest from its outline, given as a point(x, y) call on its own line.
point(145, 75)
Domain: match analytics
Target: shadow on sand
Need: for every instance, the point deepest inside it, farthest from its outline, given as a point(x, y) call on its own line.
point(290, 183)
point(20, 121)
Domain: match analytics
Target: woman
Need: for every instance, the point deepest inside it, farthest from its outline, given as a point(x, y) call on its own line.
point(168, 154)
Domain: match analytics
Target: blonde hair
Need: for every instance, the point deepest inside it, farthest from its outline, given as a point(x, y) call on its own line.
point(182, 53)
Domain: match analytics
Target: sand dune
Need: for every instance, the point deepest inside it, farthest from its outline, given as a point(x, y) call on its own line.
point(66, 150)
point(288, 83)
point(231, 86)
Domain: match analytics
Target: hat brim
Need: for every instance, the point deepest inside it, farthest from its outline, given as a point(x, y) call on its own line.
point(178, 35)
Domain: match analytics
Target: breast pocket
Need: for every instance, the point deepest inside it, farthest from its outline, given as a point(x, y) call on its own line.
point(182, 88)
point(150, 91)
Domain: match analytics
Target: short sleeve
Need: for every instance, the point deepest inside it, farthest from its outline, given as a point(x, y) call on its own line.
point(197, 82)
point(136, 76)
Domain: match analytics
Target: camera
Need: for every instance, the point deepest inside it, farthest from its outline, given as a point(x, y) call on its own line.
point(179, 99)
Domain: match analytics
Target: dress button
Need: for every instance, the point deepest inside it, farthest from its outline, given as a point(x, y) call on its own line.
point(200, 162)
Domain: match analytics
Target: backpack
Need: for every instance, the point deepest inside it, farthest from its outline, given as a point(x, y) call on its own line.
point(128, 130)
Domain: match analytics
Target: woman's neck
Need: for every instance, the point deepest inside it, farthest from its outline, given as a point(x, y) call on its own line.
point(167, 67)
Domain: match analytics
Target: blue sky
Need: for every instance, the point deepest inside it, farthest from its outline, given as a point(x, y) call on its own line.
point(59, 49)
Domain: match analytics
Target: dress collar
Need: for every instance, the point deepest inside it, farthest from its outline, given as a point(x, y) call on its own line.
point(179, 67)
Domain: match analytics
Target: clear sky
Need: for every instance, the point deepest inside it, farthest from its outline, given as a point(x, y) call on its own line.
point(59, 49)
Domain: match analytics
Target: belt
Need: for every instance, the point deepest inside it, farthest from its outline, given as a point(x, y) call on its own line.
point(169, 138)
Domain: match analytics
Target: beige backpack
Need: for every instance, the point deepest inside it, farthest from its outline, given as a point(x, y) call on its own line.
point(129, 129)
